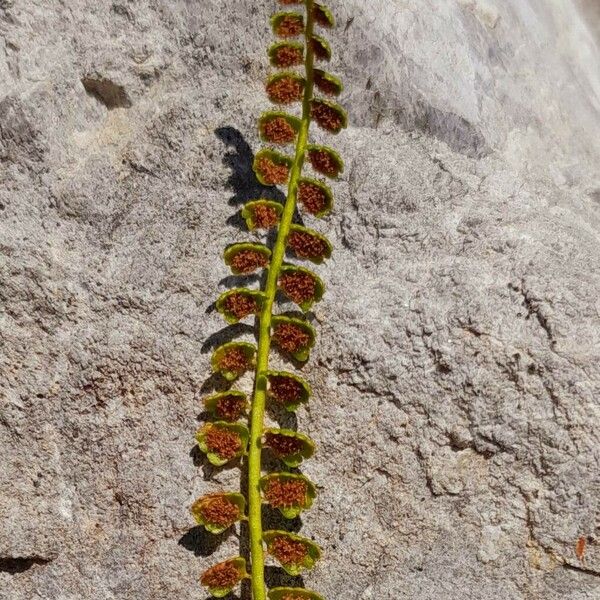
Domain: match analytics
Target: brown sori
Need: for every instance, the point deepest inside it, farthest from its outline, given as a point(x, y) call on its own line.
point(312, 197)
point(326, 86)
point(234, 360)
point(219, 510)
point(285, 390)
point(247, 261)
point(290, 26)
point(297, 286)
point(279, 131)
point(321, 16)
point(241, 305)
point(285, 90)
point(288, 56)
point(327, 117)
point(281, 494)
point(230, 408)
point(223, 575)
point(290, 337)
point(323, 162)
point(288, 551)
point(283, 445)
point(273, 173)
point(264, 217)
point(225, 444)
point(306, 245)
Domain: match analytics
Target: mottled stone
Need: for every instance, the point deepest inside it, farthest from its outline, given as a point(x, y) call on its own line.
point(456, 372)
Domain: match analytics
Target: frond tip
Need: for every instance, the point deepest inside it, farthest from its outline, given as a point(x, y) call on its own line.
point(290, 493)
point(218, 512)
point(224, 576)
point(294, 552)
point(222, 442)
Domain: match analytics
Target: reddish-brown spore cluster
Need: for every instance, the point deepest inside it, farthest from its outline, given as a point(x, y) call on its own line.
point(247, 261)
point(219, 510)
point(284, 493)
point(290, 337)
point(323, 162)
point(264, 216)
point(312, 197)
point(230, 408)
point(298, 286)
point(285, 390)
point(326, 86)
point(288, 56)
point(326, 116)
point(291, 1)
point(290, 26)
point(306, 245)
point(225, 444)
point(285, 90)
point(279, 131)
point(241, 305)
point(283, 445)
point(271, 172)
point(223, 575)
point(288, 597)
point(234, 360)
point(288, 551)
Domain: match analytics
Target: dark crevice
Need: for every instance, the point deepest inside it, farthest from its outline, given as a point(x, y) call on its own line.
point(581, 569)
point(19, 564)
point(107, 92)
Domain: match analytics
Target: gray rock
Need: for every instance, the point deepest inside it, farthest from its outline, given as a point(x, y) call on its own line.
point(456, 374)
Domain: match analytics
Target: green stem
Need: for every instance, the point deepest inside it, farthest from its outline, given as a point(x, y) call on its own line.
point(264, 338)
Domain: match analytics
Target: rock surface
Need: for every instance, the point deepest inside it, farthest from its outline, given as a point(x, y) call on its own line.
point(457, 371)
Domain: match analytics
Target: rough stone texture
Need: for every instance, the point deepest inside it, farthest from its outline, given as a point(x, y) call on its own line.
point(457, 371)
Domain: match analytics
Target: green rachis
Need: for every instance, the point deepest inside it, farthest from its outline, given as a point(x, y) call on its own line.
point(295, 81)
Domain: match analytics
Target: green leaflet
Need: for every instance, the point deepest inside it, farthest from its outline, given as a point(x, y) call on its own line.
point(281, 393)
point(252, 253)
point(220, 592)
point(251, 214)
point(279, 593)
point(313, 552)
point(325, 160)
point(227, 406)
point(222, 359)
point(309, 244)
point(291, 459)
point(268, 164)
point(327, 83)
point(239, 303)
point(293, 336)
point(214, 457)
point(293, 509)
point(291, 271)
point(199, 510)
